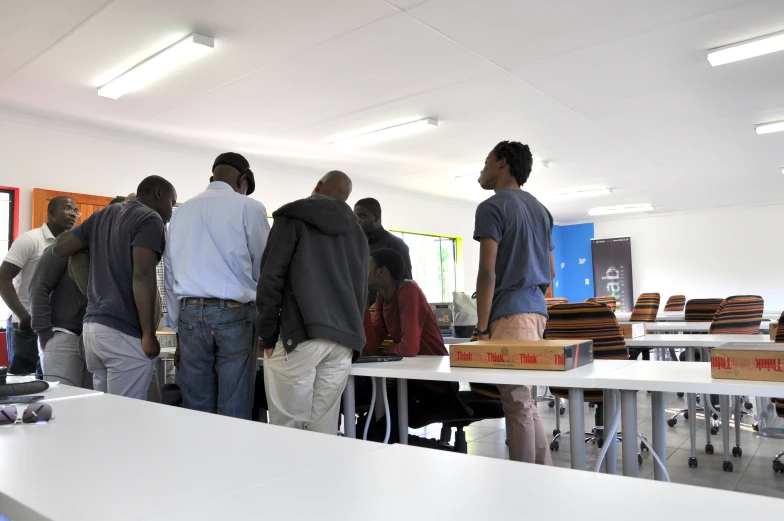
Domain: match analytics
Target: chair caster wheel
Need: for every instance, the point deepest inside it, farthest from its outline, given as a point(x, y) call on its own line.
point(693, 463)
point(561, 411)
point(715, 417)
point(672, 421)
point(556, 432)
point(778, 467)
point(709, 448)
point(591, 405)
point(643, 447)
point(727, 466)
point(551, 404)
point(639, 459)
point(748, 405)
point(554, 446)
point(737, 452)
point(697, 399)
point(680, 395)
point(600, 443)
point(686, 415)
point(714, 430)
point(755, 427)
point(507, 442)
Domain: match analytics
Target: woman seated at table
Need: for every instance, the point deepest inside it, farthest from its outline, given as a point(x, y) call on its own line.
point(403, 324)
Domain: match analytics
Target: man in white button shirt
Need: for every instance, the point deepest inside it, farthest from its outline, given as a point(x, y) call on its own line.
point(213, 260)
point(17, 270)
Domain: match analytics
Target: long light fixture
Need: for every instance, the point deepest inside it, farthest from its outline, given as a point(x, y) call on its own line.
point(385, 134)
point(614, 210)
point(583, 192)
point(476, 169)
point(769, 128)
point(190, 47)
point(749, 49)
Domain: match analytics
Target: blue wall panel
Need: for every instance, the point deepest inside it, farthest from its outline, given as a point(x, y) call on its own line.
point(573, 265)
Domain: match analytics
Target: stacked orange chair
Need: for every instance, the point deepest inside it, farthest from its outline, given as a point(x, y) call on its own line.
point(552, 301)
point(675, 303)
point(592, 321)
point(645, 310)
point(607, 300)
point(702, 309)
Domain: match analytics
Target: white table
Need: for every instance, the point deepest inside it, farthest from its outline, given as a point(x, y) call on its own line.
point(686, 327)
point(437, 368)
point(101, 458)
point(691, 383)
point(448, 340)
point(409, 482)
point(56, 391)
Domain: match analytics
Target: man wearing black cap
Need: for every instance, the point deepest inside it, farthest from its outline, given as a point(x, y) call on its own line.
point(216, 241)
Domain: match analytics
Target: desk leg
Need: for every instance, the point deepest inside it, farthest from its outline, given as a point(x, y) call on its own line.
point(349, 410)
point(691, 399)
point(629, 429)
point(659, 431)
point(402, 410)
point(611, 458)
point(577, 427)
point(724, 403)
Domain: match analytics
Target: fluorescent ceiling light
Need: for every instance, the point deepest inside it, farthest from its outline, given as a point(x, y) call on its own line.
point(769, 128)
point(748, 49)
point(152, 68)
point(476, 169)
point(627, 208)
point(583, 192)
point(385, 134)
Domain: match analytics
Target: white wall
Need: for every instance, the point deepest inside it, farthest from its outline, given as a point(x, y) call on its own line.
point(40, 153)
point(711, 253)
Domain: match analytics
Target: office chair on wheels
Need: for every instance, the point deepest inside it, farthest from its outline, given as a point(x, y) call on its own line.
point(778, 465)
point(645, 310)
point(593, 321)
point(675, 303)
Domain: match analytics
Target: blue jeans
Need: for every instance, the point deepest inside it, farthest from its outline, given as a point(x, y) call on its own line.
point(22, 349)
point(218, 358)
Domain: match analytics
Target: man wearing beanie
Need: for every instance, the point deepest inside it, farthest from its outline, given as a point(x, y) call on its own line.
point(213, 261)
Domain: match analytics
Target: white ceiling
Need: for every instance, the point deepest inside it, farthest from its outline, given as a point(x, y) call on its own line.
point(613, 93)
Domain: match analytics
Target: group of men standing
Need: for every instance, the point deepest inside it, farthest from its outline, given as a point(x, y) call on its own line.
point(296, 294)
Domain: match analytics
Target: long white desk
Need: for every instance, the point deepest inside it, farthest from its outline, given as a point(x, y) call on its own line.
point(691, 383)
point(101, 458)
point(437, 368)
point(680, 316)
point(405, 482)
point(686, 327)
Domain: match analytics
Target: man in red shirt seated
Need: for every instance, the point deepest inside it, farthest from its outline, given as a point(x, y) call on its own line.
point(404, 324)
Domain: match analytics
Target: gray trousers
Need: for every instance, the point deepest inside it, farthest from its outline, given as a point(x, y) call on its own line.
point(62, 359)
point(304, 387)
point(117, 361)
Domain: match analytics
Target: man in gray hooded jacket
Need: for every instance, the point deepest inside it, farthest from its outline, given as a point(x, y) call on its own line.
point(311, 300)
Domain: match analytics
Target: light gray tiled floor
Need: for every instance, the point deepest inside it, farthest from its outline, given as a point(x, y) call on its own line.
point(752, 472)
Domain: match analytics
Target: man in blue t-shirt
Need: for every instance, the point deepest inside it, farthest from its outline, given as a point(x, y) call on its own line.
point(126, 242)
point(514, 231)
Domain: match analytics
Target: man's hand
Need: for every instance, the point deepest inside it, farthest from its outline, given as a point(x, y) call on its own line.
point(24, 321)
point(268, 352)
point(151, 346)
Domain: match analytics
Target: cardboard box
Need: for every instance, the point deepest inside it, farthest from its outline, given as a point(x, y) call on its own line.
point(542, 355)
point(774, 326)
point(740, 361)
point(633, 329)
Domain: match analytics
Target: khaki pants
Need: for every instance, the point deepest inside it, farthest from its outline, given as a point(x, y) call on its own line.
point(304, 387)
point(524, 430)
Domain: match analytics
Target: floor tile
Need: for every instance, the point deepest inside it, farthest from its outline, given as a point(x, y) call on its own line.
point(772, 488)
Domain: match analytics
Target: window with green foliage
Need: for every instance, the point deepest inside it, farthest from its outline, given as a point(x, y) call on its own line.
point(433, 263)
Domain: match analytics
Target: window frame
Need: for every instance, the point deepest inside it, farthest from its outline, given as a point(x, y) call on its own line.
point(459, 279)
